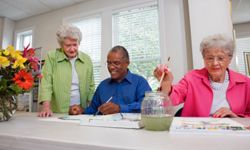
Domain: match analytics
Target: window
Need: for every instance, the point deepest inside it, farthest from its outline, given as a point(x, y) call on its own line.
point(91, 42)
point(138, 31)
point(242, 48)
point(24, 39)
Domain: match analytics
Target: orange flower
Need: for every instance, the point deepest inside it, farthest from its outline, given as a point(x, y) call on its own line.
point(24, 79)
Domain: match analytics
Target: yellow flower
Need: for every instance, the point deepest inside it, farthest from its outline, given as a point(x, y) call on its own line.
point(4, 62)
point(19, 62)
point(10, 48)
point(6, 52)
point(14, 53)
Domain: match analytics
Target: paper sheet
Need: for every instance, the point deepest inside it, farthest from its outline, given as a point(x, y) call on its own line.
point(124, 120)
point(119, 120)
point(207, 126)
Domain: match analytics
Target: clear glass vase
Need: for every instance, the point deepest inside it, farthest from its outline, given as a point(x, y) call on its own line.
point(8, 106)
point(156, 111)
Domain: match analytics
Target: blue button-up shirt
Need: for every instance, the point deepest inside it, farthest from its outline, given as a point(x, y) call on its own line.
point(128, 93)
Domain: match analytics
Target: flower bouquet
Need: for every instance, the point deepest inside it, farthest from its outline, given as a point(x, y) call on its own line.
point(18, 71)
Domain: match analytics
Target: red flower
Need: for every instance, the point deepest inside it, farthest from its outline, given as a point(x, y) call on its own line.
point(34, 63)
point(40, 76)
point(28, 52)
point(24, 79)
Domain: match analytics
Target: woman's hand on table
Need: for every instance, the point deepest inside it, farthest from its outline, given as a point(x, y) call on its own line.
point(46, 110)
point(224, 112)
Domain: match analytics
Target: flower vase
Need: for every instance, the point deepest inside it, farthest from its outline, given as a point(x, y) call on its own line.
point(8, 106)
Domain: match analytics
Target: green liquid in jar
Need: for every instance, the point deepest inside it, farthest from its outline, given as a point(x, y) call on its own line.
point(156, 123)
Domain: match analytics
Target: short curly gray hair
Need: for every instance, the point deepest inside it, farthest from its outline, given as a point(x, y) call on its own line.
point(222, 41)
point(71, 31)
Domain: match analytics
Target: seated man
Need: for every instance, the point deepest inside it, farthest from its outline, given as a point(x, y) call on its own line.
point(123, 92)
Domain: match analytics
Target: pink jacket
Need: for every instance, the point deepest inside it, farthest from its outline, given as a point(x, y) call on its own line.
point(195, 92)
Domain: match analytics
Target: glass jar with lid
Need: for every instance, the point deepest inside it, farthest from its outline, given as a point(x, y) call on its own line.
point(156, 111)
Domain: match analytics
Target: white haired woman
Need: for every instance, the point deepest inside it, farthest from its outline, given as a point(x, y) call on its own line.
point(214, 90)
point(67, 84)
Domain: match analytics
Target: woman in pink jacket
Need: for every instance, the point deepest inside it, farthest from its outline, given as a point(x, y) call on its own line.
point(214, 90)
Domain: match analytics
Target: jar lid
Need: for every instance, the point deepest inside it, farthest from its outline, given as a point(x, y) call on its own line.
point(155, 93)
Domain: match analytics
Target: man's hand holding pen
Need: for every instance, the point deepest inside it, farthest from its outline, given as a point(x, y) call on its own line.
point(109, 108)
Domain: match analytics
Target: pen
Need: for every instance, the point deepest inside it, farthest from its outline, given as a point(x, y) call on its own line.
point(105, 103)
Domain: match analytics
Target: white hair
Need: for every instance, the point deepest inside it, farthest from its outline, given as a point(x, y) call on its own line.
point(222, 41)
point(68, 31)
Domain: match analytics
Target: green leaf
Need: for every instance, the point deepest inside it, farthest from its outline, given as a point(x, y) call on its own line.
point(15, 89)
point(3, 85)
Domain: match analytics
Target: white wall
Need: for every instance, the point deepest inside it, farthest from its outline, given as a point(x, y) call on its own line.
point(7, 32)
point(173, 36)
point(1, 31)
point(208, 17)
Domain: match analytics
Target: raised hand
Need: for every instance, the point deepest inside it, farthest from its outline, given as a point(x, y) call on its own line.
point(166, 82)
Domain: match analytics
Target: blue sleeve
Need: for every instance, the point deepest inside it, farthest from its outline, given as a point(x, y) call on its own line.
point(135, 107)
point(95, 103)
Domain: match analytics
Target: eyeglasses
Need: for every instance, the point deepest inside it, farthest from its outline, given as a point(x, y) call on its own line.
point(219, 59)
point(115, 63)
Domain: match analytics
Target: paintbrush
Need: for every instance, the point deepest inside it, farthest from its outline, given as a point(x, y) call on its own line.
point(163, 74)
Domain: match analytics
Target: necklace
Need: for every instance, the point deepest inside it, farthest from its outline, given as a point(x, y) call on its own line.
point(219, 86)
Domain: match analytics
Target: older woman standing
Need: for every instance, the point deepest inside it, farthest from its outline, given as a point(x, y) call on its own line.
point(214, 90)
point(67, 84)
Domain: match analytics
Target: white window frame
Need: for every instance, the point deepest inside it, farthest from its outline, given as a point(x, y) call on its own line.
point(19, 36)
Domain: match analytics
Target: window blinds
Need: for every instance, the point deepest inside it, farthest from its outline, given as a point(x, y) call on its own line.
point(91, 42)
point(138, 31)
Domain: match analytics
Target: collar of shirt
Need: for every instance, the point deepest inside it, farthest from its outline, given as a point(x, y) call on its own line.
point(127, 78)
point(234, 78)
point(61, 56)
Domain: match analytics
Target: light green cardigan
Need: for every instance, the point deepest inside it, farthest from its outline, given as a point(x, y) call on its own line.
point(56, 82)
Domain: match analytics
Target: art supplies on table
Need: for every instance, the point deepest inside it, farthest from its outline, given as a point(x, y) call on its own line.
point(207, 126)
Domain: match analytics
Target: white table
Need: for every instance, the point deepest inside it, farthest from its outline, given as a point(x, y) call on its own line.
point(26, 132)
